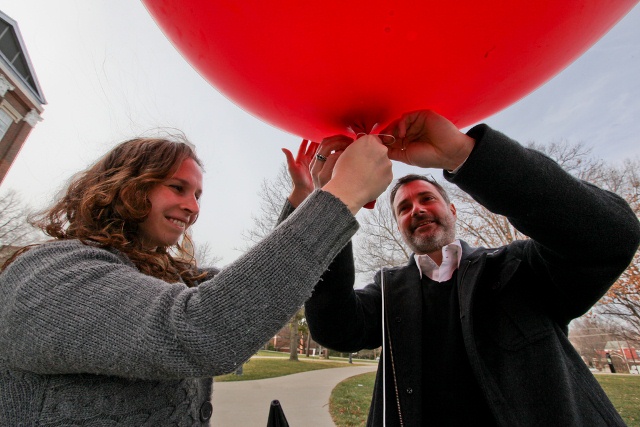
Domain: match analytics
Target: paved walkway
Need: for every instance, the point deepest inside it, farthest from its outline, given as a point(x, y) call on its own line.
point(304, 398)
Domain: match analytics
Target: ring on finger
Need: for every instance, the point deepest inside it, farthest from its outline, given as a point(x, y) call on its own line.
point(320, 157)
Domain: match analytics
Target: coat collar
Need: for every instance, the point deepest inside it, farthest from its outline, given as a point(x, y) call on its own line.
point(403, 283)
point(468, 253)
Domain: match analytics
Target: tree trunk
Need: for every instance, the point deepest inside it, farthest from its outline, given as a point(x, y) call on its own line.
point(293, 341)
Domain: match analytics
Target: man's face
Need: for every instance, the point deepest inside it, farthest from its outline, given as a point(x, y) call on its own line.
point(425, 220)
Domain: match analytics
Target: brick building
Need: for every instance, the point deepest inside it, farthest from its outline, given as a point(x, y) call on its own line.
point(282, 342)
point(21, 99)
point(307, 346)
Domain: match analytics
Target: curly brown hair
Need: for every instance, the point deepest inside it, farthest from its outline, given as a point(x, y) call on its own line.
point(105, 204)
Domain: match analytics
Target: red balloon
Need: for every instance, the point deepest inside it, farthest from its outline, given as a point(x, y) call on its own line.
point(322, 67)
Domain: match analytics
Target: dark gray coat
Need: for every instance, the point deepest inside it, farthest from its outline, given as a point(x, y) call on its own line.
point(515, 301)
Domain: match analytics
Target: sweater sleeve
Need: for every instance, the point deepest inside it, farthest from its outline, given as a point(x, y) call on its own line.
point(337, 317)
point(287, 209)
point(70, 308)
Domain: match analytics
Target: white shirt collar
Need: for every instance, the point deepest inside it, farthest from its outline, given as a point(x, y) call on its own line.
point(451, 256)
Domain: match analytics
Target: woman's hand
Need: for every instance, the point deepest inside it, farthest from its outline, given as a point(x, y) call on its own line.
point(299, 171)
point(329, 151)
point(361, 173)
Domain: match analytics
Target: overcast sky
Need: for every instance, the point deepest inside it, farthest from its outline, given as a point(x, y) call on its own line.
point(108, 74)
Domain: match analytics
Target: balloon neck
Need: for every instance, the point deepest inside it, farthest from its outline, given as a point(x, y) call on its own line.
point(361, 128)
point(370, 205)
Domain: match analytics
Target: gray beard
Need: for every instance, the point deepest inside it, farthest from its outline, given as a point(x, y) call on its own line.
point(427, 244)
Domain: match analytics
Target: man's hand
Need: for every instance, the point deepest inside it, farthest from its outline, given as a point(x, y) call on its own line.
point(428, 140)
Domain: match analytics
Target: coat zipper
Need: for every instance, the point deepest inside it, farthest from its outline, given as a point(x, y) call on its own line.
point(393, 366)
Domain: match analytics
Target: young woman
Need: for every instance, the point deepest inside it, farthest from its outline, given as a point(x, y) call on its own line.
point(110, 323)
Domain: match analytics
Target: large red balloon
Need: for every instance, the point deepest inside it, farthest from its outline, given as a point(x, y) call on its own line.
point(321, 67)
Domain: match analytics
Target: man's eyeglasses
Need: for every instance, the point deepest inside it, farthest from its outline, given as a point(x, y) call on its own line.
point(385, 138)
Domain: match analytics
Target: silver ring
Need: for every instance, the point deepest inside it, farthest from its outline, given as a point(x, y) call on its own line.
point(321, 158)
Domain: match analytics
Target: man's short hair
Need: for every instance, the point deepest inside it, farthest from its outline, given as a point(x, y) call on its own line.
point(415, 177)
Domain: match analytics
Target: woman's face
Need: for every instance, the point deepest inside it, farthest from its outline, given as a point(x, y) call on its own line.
point(174, 206)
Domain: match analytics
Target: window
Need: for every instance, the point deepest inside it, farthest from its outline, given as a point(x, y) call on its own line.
point(5, 122)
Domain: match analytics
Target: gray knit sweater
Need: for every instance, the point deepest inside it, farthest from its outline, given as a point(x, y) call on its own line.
point(86, 339)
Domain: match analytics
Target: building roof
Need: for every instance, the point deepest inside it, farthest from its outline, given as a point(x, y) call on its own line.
point(616, 345)
point(14, 59)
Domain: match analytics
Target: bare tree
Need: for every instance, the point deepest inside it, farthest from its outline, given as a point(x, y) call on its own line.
point(480, 227)
point(297, 328)
point(619, 309)
point(272, 196)
point(573, 158)
point(273, 193)
point(201, 252)
point(378, 243)
point(589, 335)
point(621, 304)
point(205, 256)
point(15, 231)
point(477, 225)
point(624, 181)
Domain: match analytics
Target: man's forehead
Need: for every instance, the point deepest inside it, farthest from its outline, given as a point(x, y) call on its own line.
point(413, 188)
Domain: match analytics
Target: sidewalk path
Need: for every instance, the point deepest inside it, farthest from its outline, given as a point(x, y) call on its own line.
point(304, 398)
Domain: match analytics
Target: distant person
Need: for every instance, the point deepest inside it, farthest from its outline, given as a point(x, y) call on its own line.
point(112, 323)
point(478, 336)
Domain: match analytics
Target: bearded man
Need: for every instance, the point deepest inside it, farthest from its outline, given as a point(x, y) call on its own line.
point(479, 336)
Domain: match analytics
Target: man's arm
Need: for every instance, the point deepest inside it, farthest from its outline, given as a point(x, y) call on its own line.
point(582, 237)
point(340, 317)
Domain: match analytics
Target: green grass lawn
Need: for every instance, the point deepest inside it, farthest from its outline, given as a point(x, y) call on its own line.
point(269, 353)
point(624, 392)
point(277, 366)
point(350, 400)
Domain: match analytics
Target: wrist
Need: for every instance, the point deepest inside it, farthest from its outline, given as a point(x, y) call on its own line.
point(466, 144)
point(346, 196)
point(298, 196)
